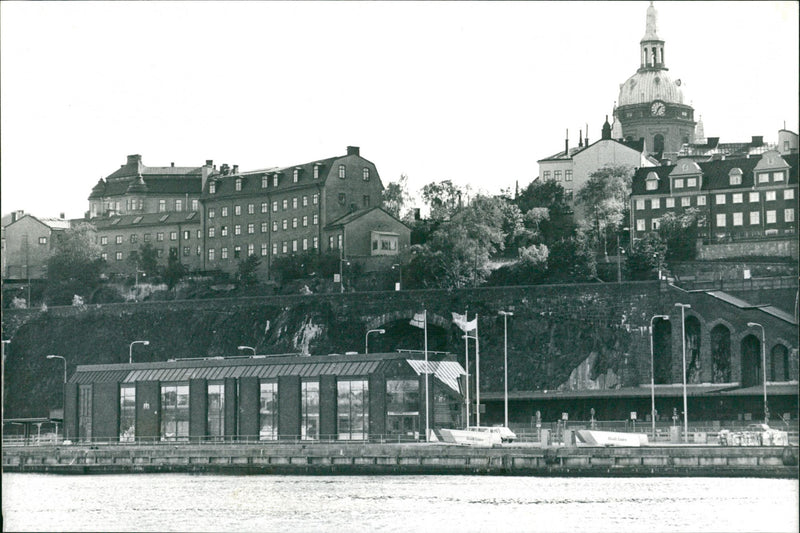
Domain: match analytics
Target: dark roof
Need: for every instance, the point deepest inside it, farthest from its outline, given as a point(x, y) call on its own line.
point(633, 145)
point(146, 219)
point(158, 180)
point(715, 174)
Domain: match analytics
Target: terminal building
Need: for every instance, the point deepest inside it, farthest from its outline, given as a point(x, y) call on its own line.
point(265, 398)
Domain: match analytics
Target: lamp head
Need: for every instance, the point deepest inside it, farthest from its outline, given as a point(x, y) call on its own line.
point(381, 331)
point(752, 324)
point(146, 343)
point(52, 356)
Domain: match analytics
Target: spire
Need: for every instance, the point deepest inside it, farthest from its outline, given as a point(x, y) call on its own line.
point(651, 28)
point(606, 129)
point(652, 46)
point(699, 131)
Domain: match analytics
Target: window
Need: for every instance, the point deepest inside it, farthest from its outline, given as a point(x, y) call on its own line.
point(263, 249)
point(212, 187)
point(127, 413)
point(294, 222)
point(735, 176)
point(315, 219)
point(737, 198)
point(199, 234)
point(655, 203)
point(678, 183)
point(264, 227)
point(686, 201)
point(639, 205)
point(771, 216)
point(186, 251)
point(557, 175)
point(104, 240)
point(224, 231)
point(546, 175)
point(285, 224)
point(174, 411)
point(212, 212)
point(274, 225)
point(134, 238)
point(224, 212)
point(640, 224)
point(305, 201)
point(567, 175)
point(651, 185)
point(162, 206)
point(275, 180)
point(402, 407)
point(788, 214)
point(160, 252)
point(216, 409)
point(160, 236)
point(365, 200)
point(352, 409)
point(223, 253)
point(769, 196)
point(294, 245)
point(777, 176)
point(737, 219)
point(754, 218)
point(701, 200)
point(342, 198)
point(211, 232)
point(655, 223)
point(341, 172)
point(285, 204)
point(309, 402)
point(119, 239)
point(763, 177)
point(316, 172)
point(284, 247)
point(104, 256)
point(670, 203)
point(315, 199)
point(237, 252)
point(315, 242)
point(330, 242)
point(251, 228)
point(238, 184)
point(691, 182)
point(264, 207)
point(194, 205)
point(251, 209)
point(275, 206)
point(85, 412)
point(173, 235)
point(251, 249)
point(187, 235)
point(179, 205)
point(305, 221)
point(237, 210)
point(294, 203)
point(118, 256)
point(295, 175)
point(365, 174)
point(274, 248)
point(264, 182)
point(754, 196)
point(268, 411)
point(339, 241)
point(788, 194)
point(305, 244)
point(720, 199)
point(721, 218)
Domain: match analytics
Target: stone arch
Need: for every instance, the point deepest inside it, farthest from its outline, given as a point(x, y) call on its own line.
point(697, 344)
point(751, 360)
point(401, 335)
point(720, 344)
point(778, 362)
point(662, 350)
point(658, 143)
point(394, 316)
point(693, 330)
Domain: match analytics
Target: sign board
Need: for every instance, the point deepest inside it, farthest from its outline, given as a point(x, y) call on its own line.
point(397, 285)
point(633, 415)
point(565, 416)
point(746, 273)
point(337, 278)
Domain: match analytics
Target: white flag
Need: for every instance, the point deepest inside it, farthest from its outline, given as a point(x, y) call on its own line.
point(463, 325)
point(418, 321)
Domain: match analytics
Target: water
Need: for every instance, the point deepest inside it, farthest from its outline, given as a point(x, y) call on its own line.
point(178, 502)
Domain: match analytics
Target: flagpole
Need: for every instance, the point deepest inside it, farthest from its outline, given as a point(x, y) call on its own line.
point(477, 374)
point(466, 358)
point(427, 392)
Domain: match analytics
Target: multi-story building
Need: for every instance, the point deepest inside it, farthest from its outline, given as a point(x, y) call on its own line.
point(137, 189)
point(740, 200)
point(308, 207)
point(178, 234)
point(28, 242)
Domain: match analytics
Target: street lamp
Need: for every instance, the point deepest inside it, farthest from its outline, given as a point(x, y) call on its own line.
point(65, 364)
point(130, 349)
point(505, 315)
point(683, 344)
point(246, 348)
point(399, 277)
point(653, 375)
point(366, 338)
point(620, 251)
point(763, 366)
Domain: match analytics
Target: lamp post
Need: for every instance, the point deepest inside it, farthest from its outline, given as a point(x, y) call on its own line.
point(65, 364)
point(653, 375)
point(366, 338)
point(505, 315)
point(246, 348)
point(683, 344)
point(399, 285)
point(763, 366)
point(130, 349)
point(620, 251)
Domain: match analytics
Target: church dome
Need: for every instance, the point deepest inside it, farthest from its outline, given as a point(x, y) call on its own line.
point(648, 85)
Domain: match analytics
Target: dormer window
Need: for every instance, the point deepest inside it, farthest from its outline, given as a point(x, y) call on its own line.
point(295, 175)
point(341, 172)
point(777, 176)
point(212, 188)
point(763, 177)
point(366, 174)
point(316, 172)
point(264, 182)
point(735, 176)
point(679, 183)
point(275, 180)
point(651, 184)
point(238, 184)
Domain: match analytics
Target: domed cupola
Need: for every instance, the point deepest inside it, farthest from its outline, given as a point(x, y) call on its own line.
point(138, 185)
point(99, 189)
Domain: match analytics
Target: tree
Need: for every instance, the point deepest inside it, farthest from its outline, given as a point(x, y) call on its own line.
point(396, 197)
point(679, 233)
point(646, 255)
point(546, 197)
point(549, 194)
point(174, 271)
point(604, 198)
point(531, 267)
point(75, 265)
point(443, 198)
point(148, 259)
point(571, 259)
point(247, 270)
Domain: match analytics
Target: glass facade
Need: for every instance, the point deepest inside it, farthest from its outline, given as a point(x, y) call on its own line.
point(402, 407)
point(353, 409)
point(309, 425)
point(85, 412)
point(268, 413)
point(216, 409)
point(174, 411)
point(127, 413)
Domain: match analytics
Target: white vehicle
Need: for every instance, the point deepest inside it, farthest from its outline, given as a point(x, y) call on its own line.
point(478, 435)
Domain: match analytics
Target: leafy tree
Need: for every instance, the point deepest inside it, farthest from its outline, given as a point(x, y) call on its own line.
point(571, 259)
point(547, 197)
point(396, 196)
point(443, 198)
point(247, 270)
point(75, 265)
point(175, 270)
point(647, 254)
point(148, 259)
point(679, 234)
point(604, 199)
point(531, 267)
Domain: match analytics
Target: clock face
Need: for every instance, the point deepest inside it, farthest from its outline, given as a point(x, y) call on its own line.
point(657, 109)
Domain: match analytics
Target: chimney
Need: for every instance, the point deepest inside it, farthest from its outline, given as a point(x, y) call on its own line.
point(758, 140)
point(580, 138)
point(235, 169)
point(353, 150)
point(566, 144)
point(586, 137)
point(135, 159)
point(172, 164)
point(61, 216)
point(417, 215)
point(209, 162)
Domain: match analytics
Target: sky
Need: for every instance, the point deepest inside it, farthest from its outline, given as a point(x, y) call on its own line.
point(474, 92)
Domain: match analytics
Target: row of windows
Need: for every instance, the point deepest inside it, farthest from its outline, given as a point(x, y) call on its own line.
point(734, 178)
point(295, 222)
point(557, 175)
point(147, 237)
point(719, 199)
point(251, 208)
point(284, 247)
point(736, 219)
point(186, 252)
point(164, 205)
point(265, 179)
point(677, 183)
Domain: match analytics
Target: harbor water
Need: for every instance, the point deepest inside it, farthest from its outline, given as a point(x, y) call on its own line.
point(184, 502)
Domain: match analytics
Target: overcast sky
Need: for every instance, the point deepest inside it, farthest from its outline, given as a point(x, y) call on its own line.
point(474, 92)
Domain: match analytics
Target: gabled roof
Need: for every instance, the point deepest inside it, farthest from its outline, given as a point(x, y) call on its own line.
point(55, 224)
point(637, 146)
point(157, 180)
point(562, 156)
point(348, 218)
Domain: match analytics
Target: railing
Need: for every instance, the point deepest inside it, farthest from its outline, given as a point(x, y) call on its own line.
point(782, 282)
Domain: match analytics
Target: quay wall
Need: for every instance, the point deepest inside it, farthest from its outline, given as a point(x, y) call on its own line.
point(399, 459)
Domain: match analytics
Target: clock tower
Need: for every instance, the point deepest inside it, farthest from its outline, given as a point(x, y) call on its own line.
point(650, 104)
